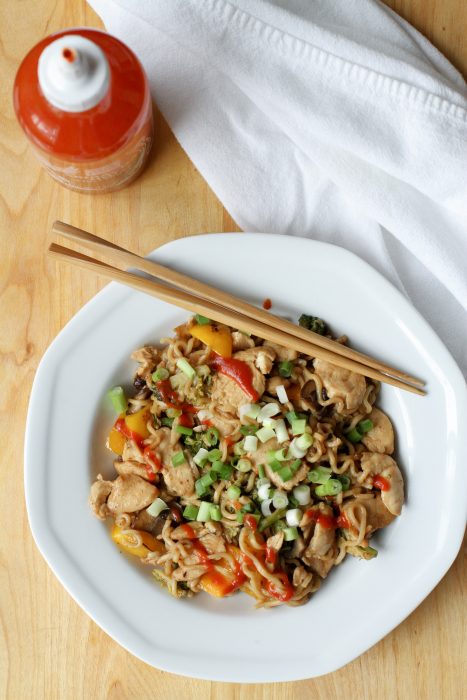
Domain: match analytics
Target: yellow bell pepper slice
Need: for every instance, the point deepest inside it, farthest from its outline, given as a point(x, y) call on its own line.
point(137, 422)
point(218, 338)
point(116, 442)
point(150, 544)
point(220, 585)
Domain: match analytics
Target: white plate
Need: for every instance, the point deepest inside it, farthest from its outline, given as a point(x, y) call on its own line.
point(228, 639)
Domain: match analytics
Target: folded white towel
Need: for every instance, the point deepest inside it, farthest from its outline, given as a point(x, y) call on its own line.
point(333, 119)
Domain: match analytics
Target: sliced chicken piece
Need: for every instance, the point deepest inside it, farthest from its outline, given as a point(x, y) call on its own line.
point(341, 383)
point(130, 467)
point(182, 532)
point(162, 446)
point(378, 516)
point(227, 393)
point(301, 577)
point(385, 466)
point(321, 566)
point(148, 358)
point(275, 479)
point(261, 356)
point(224, 422)
point(132, 452)
point(241, 341)
point(275, 542)
point(100, 491)
point(213, 543)
point(281, 352)
point(189, 573)
point(323, 537)
point(131, 493)
point(180, 480)
point(381, 437)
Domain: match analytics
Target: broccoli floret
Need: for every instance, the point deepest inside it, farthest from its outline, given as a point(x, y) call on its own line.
point(313, 323)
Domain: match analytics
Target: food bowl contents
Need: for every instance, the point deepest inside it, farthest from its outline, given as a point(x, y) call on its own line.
point(83, 100)
point(244, 465)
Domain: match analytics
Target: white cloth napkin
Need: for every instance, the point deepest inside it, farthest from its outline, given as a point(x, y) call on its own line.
point(332, 119)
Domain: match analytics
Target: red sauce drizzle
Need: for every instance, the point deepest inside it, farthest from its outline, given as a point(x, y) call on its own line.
point(186, 419)
point(122, 428)
point(237, 370)
point(381, 483)
point(267, 303)
point(343, 522)
point(224, 584)
point(327, 521)
point(250, 521)
point(284, 594)
point(271, 555)
point(171, 398)
point(189, 532)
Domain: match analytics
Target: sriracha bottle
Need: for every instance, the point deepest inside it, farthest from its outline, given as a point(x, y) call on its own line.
point(82, 98)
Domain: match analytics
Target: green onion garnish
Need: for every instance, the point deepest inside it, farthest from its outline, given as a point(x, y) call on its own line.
point(331, 488)
point(285, 368)
point(280, 500)
point(211, 437)
point(118, 399)
point(217, 465)
point(238, 449)
point(202, 320)
point(225, 472)
point(203, 483)
point(319, 475)
point(215, 512)
point(244, 465)
point(285, 473)
point(290, 533)
point(304, 441)
point(345, 481)
point(165, 420)
point(233, 493)
point(183, 431)
point(178, 458)
point(201, 457)
point(296, 465)
point(271, 519)
point(160, 374)
point(365, 425)
point(214, 455)
point(204, 513)
point(248, 508)
point(261, 472)
point(298, 426)
point(291, 415)
point(265, 434)
point(173, 412)
point(248, 429)
point(183, 364)
point(156, 507)
point(354, 435)
point(190, 512)
point(275, 465)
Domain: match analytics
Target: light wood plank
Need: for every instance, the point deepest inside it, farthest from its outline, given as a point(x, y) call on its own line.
point(48, 647)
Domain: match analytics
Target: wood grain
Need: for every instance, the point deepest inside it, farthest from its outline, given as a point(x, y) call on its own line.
point(48, 647)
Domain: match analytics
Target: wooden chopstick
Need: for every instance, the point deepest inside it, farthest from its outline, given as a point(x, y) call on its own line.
point(196, 304)
point(118, 255)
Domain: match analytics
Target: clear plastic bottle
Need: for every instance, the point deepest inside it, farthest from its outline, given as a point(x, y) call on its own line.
point(82, 98)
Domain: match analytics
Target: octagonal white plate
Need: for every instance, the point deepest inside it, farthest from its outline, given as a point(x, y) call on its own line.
point(228, 639)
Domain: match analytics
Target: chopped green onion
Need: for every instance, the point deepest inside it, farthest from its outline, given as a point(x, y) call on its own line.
point(234, 461)
point(302, 494)
point(304, 441)
point(296, 465)
point(295, 450)
point(250, 443)
point(203, 483)
point(183, 431)
point(279, 526)
point(261, 472)
point(285, 368)
point(201, 457)
point(173, 412)
point(354, 435)
point(265, 434)
point(331, 488)
point(368, 552)
point(280, 429)
point(183, 364)
point(319, 475)
point(190, 512)
point(217, 465)
point(204, 513)
point(271, 519)
point(118, 399)
point(211, 437)
point(268, 411)
point(202, 320)
point(244, 465)
point(216, 512)
point(345, 481)
point(282, 393)
point(280, 455)
point(293, 517)
point(290, 534)
point(165, 420)
point(233, 492)
point(248, 508)
point(275, 465)
point(160, 374)
point(240, 515)
point(156, 507)
point(238, 448)
point(178, 458)
point(264, 491)
point(248, 429)
point(280, 500)
point(365, 426)
point(291, 416)
point(298, 426)
point(285, 473)
point(250, 410)
point(214, 455)
point(225, 472)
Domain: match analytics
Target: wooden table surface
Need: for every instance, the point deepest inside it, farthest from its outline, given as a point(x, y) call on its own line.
point(48, 647)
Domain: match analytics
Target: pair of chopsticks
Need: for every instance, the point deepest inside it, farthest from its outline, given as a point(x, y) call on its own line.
point(222, 307)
